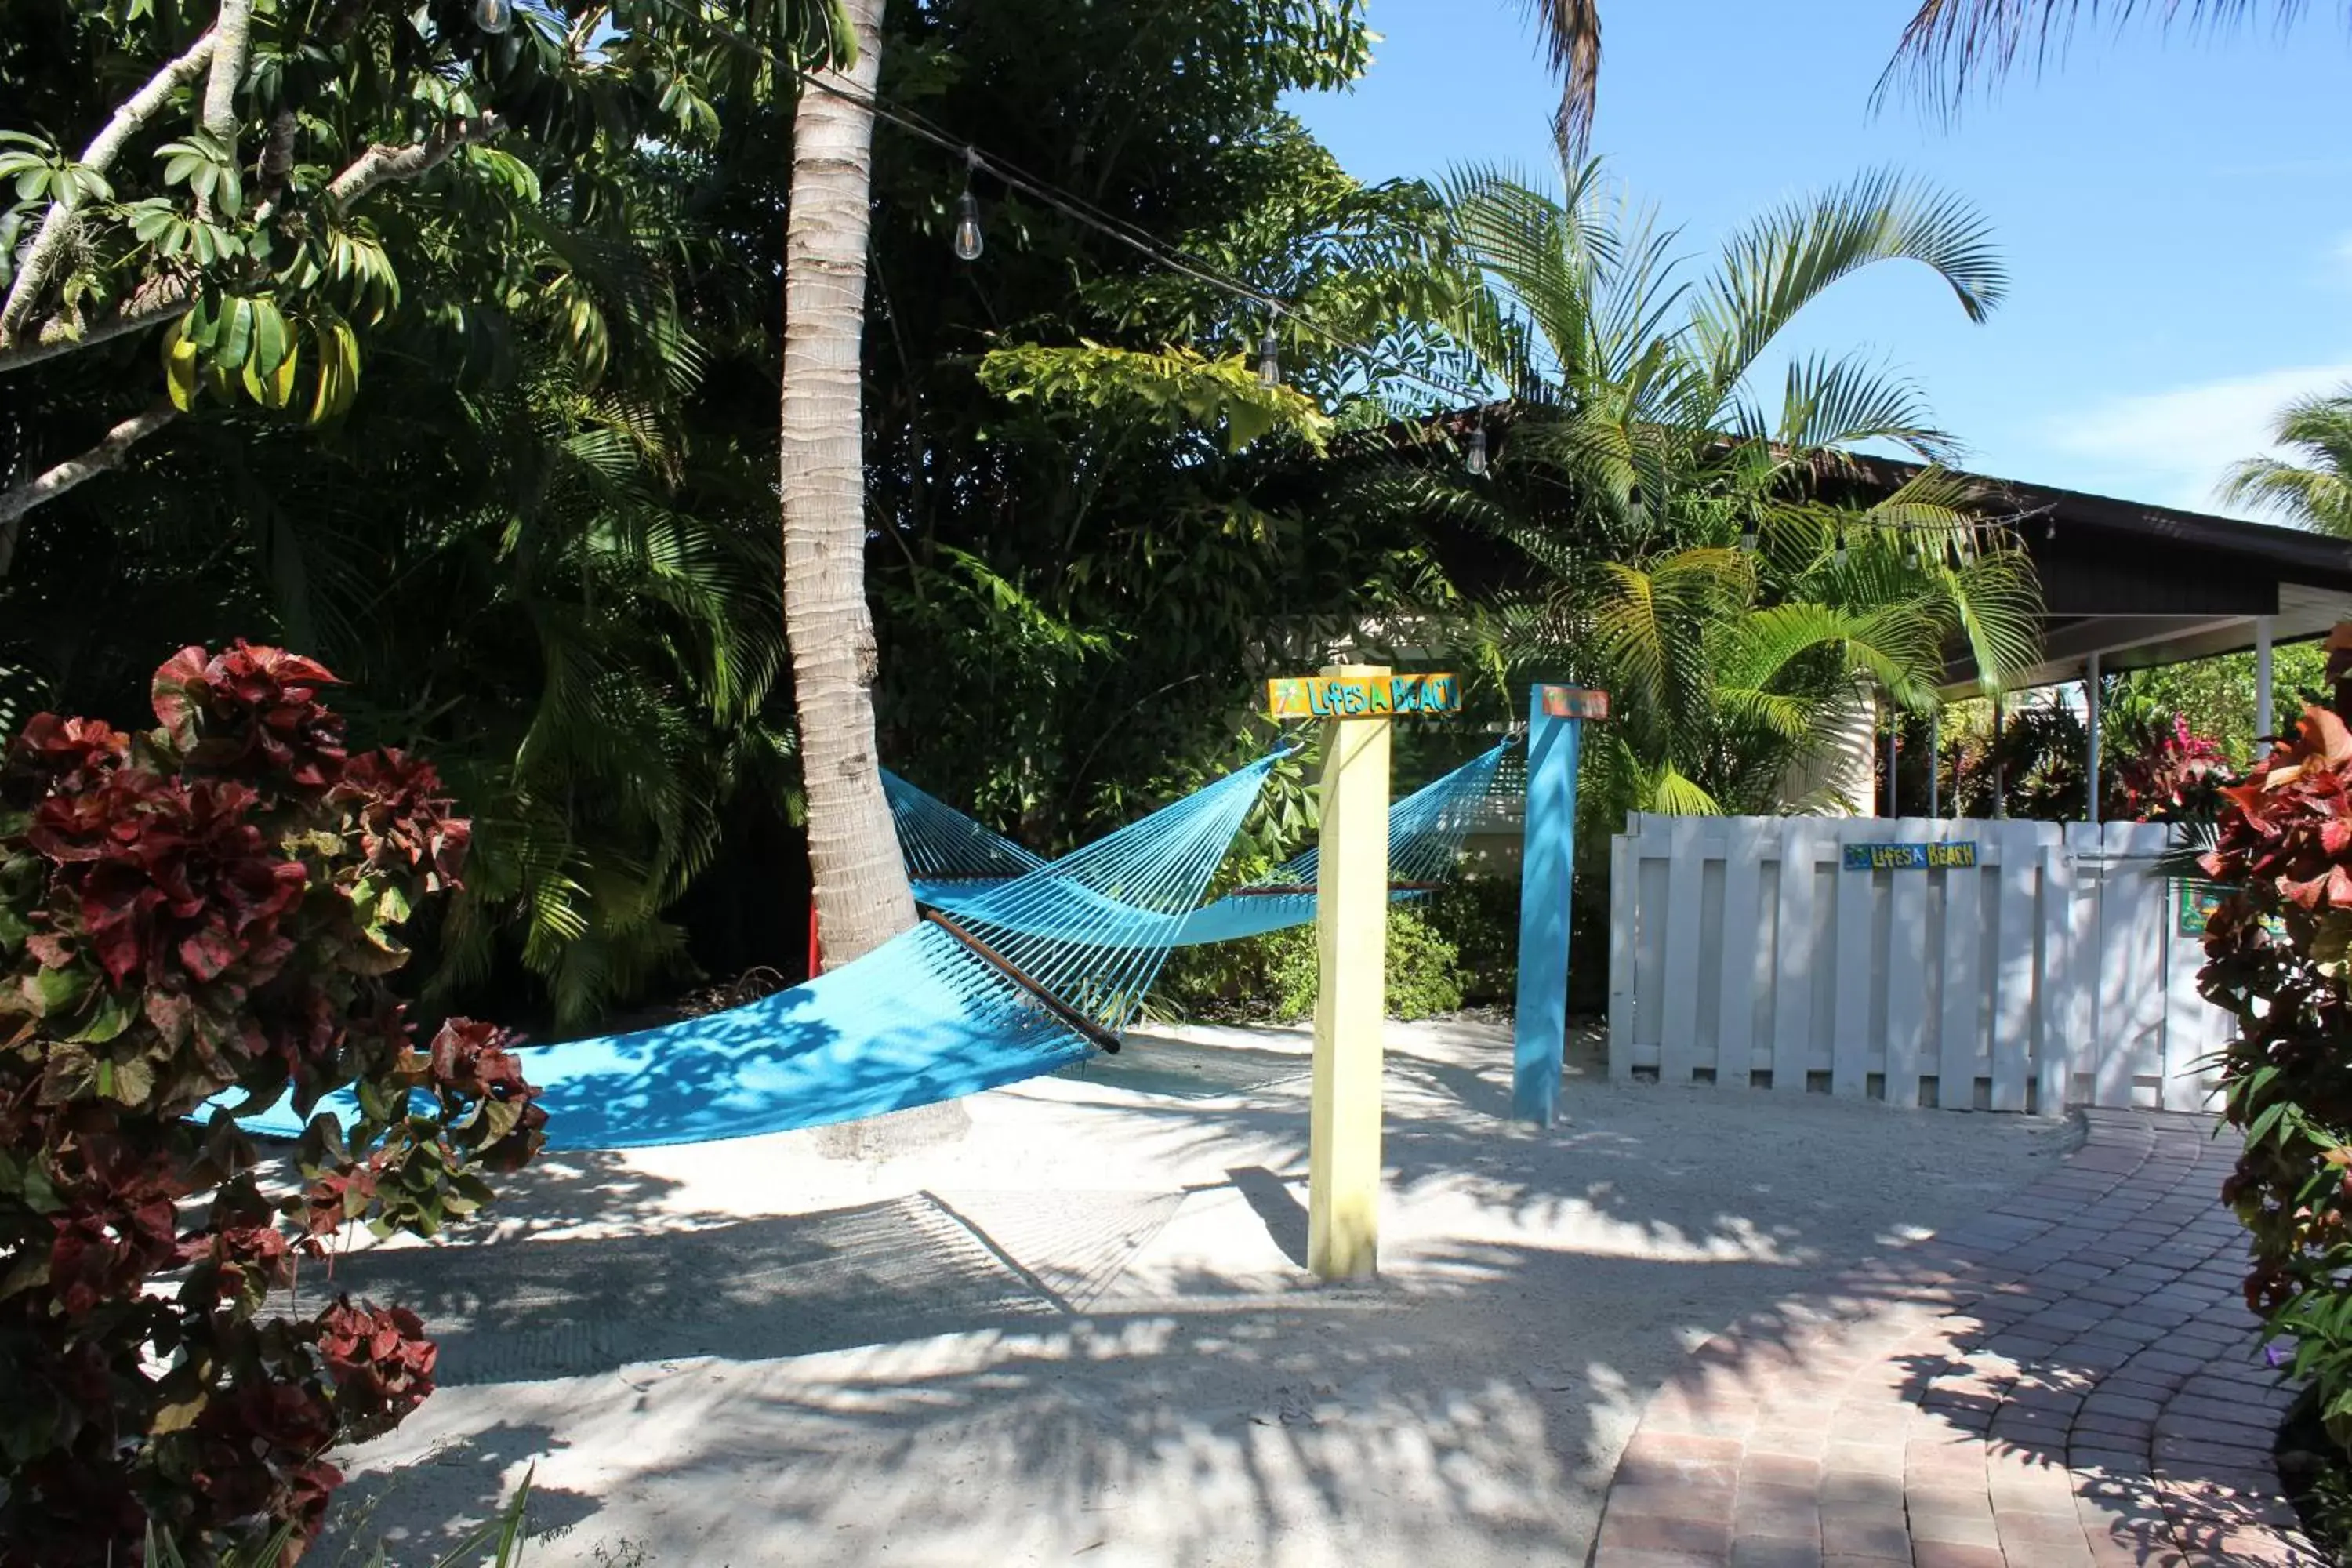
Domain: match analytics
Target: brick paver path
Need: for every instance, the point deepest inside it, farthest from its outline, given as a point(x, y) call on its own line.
point(2070, 1381)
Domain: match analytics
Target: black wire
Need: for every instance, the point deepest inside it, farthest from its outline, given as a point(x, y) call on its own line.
point(1077, 208)
point(1157, 251)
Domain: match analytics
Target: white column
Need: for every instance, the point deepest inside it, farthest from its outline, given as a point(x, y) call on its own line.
point(1999, 768)
point(1935, 760)
point(2091, 705)
point(2262, 700)
point(1893, 743)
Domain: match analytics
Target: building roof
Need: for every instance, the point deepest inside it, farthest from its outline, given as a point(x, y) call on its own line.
point(2142, 585)
point(2137, 584)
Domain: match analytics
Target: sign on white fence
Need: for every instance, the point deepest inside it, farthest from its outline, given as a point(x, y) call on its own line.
point(1973, 965)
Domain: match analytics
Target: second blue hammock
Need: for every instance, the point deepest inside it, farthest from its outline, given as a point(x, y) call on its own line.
point(954, 862)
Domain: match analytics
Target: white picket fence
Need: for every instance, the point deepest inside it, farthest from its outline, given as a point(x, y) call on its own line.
point(2055, 971)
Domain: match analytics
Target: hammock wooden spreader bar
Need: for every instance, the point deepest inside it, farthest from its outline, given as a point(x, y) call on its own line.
point(1093, 1032)
point(1307, 889)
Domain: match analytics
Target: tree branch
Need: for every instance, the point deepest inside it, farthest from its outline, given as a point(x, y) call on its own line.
point(158, 299)
point(384, 163)
point(277, 163)
point(232, 38)
point(48, 486)
point(48, 246)
point(162, 297)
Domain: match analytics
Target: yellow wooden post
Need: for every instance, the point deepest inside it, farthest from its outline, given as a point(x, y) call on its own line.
point(1352, 942)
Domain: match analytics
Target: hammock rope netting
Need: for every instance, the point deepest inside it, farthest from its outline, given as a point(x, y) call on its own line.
point(953, 859)
point(1020, 967)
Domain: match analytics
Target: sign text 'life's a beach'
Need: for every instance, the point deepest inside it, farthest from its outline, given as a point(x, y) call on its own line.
point(1358, 695)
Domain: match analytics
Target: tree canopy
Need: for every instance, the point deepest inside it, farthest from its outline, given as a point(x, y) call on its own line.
point(532, 520)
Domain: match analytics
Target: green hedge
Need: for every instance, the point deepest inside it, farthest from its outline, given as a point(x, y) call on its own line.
point(1272, 978)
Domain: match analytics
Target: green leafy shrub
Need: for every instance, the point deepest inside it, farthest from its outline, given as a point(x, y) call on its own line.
point(211, 909)
point(1481, 918)
point(1273, 978)
point(503, 1535)
point(2278, 952)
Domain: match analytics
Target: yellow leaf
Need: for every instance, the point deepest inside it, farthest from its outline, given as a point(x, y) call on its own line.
point(339, 369)
point(276, 389)
point(179, 368)
point(180, 1415)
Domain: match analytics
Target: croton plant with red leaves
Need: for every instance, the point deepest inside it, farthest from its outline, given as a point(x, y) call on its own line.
point(211, 909)
point(2278, 959)
point(2177, 775)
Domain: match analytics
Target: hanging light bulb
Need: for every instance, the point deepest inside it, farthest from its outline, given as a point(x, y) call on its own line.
point(1747, 536)
point(1474, 459)
point(1269, 358)
point(1911, 554)
point(2049, 528)
point(968, 240)
point(494, 15)
point(1837, 557)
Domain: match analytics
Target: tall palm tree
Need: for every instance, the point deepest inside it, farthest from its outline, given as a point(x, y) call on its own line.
point(1700, 549)
point(1947, 44)
point(2319, 428)
point(862, 897)
point(1570, 35)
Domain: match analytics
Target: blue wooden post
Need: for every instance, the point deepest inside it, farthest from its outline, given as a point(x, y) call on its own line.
point(1556, 716)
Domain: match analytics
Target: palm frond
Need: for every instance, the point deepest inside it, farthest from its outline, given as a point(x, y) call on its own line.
point(1996, 599)
point(2316, 494)
point(1675, 795)
point(1568, 37)
point(1949, 43)
point(1829, 404)
point(1780, 263)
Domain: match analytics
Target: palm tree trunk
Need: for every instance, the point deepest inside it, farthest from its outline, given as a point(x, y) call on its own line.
point(862, 897)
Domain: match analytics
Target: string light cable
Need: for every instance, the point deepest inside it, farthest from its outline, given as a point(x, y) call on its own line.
point(1165, 255)
point(1013, 178)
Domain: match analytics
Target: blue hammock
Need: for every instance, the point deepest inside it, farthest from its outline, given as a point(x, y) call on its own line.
point(1004, 990)
point(951, 860)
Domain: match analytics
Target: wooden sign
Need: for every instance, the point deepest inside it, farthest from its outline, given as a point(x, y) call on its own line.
point(1572, 702)
point(1910, 857)
point(1352, 696)
point(2195, 902)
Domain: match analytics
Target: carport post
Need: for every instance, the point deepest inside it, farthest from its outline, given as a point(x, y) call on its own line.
point(2091, 772)
point(2263, 720)
point(1935, 760)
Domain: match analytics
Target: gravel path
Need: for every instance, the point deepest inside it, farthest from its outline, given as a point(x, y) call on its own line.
point(1081, 1331)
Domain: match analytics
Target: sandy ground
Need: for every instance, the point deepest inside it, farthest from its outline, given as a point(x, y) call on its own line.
point(1082, 1333)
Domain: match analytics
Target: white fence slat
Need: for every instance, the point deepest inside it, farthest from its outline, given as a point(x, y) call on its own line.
point(2193, 1028)
point(2082, 984)
point(1906, 970)
point(2131, 1033)
point(1679, 1023)
point(1955, 1063)
point(1625, 912)
point(2013, 978)
point(2054, 1063)
point(1850, 1016)
point(1743, 927)
point(1792, 988)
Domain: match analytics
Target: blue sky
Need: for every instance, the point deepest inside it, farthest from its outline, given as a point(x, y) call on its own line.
point(2176, 211)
